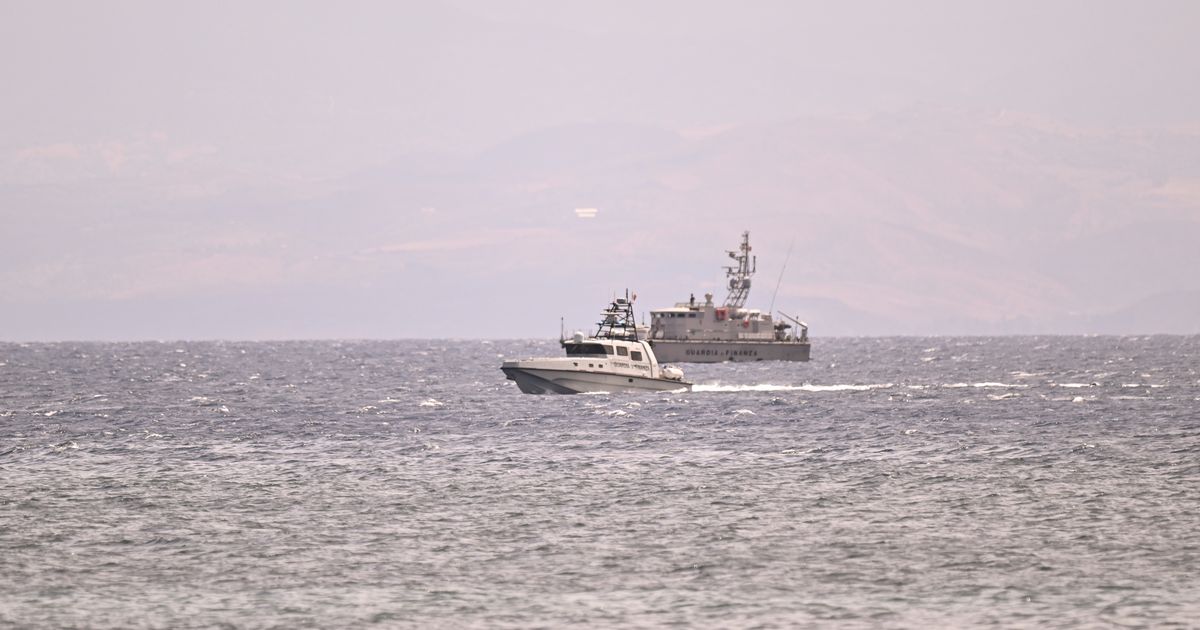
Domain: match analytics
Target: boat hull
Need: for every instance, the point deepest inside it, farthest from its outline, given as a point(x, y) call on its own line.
point(551, 381)
point(671, 351)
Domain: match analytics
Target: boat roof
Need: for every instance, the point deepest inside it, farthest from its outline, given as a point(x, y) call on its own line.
point(685, 308)
point(605, 340)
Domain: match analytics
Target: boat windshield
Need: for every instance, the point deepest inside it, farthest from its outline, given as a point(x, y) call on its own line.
point(587, 349)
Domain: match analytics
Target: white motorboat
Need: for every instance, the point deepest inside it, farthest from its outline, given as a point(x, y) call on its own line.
point(612, 360)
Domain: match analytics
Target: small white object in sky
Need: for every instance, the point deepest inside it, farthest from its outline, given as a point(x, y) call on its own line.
point(586, 213)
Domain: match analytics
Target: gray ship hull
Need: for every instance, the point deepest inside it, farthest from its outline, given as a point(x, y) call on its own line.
point(671, 351)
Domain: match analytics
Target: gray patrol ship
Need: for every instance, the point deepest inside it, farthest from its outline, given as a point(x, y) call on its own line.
point(703, 332)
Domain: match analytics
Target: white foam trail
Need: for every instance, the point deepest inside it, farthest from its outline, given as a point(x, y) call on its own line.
point(431, 402)
point(764, 387)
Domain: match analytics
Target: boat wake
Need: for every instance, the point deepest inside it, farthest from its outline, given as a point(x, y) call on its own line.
point(717, 387)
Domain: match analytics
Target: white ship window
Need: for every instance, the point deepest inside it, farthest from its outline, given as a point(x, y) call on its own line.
point(635, 355)
point(691, 315)
point(623, 351)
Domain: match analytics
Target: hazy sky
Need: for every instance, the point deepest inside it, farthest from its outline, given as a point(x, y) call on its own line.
point(158, 159)
point(393, 77)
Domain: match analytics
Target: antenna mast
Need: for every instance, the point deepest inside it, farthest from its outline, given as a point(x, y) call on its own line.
point(617, 321)
point(771, 309)
point(739, 276)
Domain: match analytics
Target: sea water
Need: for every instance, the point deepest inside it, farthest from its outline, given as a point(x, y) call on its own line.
point(889, 482)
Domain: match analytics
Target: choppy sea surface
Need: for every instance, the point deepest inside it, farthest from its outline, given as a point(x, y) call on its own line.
point(890, 482)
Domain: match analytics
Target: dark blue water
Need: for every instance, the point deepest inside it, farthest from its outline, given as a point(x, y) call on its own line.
point(893, 482)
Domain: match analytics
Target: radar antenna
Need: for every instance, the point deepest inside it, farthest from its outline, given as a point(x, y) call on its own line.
point(739, 276)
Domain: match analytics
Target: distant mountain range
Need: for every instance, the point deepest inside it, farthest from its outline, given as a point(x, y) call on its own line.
point(925, 222)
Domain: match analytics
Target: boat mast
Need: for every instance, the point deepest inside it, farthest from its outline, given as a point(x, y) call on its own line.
point(739, 276)
point(618, 315)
